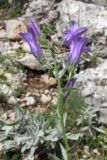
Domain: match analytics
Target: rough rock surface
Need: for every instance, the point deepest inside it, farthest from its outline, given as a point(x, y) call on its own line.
point(93, 85)
point(42, 10)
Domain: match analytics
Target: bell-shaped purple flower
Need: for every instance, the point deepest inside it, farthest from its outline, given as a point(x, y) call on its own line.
point(70, 85)
point(35, 27)
point(77, 47)
point(73, 33)
point(30, 38)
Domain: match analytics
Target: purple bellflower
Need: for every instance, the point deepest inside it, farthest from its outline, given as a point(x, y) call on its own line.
point(75, 41)
point(77, 47)
point(70, 85)
point(30, 38)
point(77, 44)
point(35, 27)
point(73, 33)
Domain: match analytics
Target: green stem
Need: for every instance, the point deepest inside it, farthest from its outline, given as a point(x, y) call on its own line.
point(60, 108)
point(61, 114)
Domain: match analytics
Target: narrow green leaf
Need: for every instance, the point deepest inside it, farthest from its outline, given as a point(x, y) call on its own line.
point(56, 158)
point(64, 152)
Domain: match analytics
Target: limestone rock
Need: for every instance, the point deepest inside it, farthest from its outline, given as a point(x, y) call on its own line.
point(13, 27)
point(93, 85)
point(31, 62)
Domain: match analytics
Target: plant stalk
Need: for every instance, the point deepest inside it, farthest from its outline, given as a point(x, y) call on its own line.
point(60, 109)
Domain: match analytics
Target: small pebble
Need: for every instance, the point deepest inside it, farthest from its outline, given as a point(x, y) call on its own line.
point(12, 116)
point(45, 99)
point(54, 101)
point(50, 81)
point(12, 100)
point(46, 91)
point(95, 150)
point(30, 101)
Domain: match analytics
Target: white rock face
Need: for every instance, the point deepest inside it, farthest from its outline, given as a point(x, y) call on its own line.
point(93, 85)
point(13, 27)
